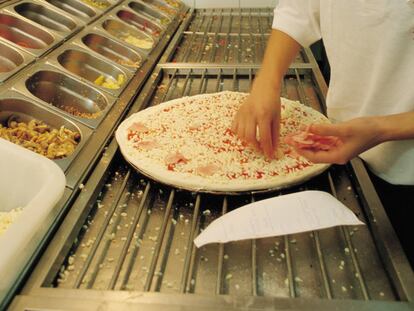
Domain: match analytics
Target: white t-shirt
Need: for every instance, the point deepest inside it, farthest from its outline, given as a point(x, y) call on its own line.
point(370, 47)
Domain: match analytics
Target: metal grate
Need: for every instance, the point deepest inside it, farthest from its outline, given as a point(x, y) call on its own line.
point(249, 20)
point(139, 234)
point(227, 36)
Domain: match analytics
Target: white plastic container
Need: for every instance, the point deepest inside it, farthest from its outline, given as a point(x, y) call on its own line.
point(36, 184)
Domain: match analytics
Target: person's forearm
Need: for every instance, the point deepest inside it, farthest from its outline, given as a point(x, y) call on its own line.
point(281, 50)
point(397, 126)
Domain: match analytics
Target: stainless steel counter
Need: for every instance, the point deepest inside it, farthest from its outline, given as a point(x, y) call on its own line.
point(126, 241)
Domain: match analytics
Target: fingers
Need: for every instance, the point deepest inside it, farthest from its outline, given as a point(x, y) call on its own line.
point(265, 131)
point(328, 129)
point(275, 132)
point(337, 155)
point(250, 132)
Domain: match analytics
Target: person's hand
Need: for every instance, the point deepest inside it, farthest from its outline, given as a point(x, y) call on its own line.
point(354, 137)
point(260, 112)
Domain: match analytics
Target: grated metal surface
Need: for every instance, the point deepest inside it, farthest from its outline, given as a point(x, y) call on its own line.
point(245, 20)
point(227, 36)
point(139, 234)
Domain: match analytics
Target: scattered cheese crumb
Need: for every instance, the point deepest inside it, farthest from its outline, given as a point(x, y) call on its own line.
point(8, 218)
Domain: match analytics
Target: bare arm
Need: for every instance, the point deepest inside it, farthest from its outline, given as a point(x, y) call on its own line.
point(262, 108)
point(397, 126)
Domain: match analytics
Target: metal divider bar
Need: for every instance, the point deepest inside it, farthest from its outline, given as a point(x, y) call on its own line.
point(226, 50)
point(322, 265)
point(259, 22)
point(301, 90)
point(262, 41)
point(231, 20)
point(221, 21)
point(193, 35)
point(205, 39)
point(216, 35)
point(350, 246)
point(186, 82)
point(283, 91)
point(269, 18)
point(136, 248)
point(130, 235)
point(190, 283)
point(101, 233)
point(167, 237)
point(250, 78)
point(164, 97)
point(235, 86)
point(239, 39)
point(160, 238)
point(221, 255)
point(218, 86)
point(254, 263)
point(291, 279)
point(203, 83)
point(191, 250)
point(253, 41)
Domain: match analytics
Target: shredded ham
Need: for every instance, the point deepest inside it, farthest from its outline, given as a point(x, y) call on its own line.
point(207, 170)
point(138, 127)
point(147, 144)
point(310, 141)
point(175, 158)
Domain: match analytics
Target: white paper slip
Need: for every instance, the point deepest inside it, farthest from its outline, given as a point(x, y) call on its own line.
point(286, 214)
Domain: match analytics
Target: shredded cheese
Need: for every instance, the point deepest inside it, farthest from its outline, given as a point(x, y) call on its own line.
point(199, 130)
point(8, 218)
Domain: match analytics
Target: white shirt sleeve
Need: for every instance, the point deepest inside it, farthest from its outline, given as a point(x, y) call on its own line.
point(300, 19)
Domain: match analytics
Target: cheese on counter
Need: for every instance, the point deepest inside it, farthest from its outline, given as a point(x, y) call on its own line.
point(8, 218)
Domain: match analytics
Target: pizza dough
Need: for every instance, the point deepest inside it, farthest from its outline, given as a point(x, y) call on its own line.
point(188, 143)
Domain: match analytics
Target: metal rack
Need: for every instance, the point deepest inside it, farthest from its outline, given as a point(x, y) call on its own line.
point(127, 241)
point(227, 36)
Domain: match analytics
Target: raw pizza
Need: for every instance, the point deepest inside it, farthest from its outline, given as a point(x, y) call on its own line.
point(188, 143)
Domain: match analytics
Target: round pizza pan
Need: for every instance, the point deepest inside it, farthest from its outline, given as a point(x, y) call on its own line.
point(194, 183)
